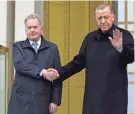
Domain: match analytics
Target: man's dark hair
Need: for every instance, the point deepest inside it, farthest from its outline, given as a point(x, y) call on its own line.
point(103, 6)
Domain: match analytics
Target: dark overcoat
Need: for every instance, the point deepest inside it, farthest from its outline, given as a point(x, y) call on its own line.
point(106, 83)
point(31, 93)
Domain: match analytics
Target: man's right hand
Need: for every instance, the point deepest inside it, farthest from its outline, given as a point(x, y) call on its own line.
point(50, 74)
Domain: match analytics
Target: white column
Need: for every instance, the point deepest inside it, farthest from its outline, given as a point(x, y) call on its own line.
point(22, 9)
point(3, 22)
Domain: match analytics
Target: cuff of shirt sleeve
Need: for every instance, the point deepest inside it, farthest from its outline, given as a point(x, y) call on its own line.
point(41, 73)
point(119, 50)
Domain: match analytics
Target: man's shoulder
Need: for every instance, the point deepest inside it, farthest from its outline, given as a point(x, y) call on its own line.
point(126, 34)
point(91, 34)
point(51, 44)
point(18, 42)
point(123, 30)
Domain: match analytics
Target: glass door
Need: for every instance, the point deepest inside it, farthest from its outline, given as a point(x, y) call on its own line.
point(126, 20)
point(3, 79)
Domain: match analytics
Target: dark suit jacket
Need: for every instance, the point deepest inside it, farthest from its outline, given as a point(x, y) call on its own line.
point(31, 93)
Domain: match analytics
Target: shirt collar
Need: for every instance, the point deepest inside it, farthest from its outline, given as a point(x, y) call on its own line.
point(44, 43)
point(38, 42)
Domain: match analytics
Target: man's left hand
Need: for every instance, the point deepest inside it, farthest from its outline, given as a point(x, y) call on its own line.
point(53, 108)
point(117, 39)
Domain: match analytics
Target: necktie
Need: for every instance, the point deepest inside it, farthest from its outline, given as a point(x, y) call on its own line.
point(35, 44)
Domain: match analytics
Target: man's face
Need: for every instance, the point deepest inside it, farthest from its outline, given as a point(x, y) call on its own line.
point(105, 19)
point(33, 29)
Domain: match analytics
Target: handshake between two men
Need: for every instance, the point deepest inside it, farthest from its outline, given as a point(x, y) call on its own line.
point(50, 74)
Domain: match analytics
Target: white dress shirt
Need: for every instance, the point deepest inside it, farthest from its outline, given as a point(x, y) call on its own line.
point(39, 43)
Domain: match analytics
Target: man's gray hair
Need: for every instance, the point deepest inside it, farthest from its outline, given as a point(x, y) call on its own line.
point(33, 16)
point(103, 6)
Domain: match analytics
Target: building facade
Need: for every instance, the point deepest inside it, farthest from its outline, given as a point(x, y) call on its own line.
point(65, 23)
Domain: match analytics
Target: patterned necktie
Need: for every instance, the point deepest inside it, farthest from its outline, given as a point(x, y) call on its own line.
point(35, 44)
